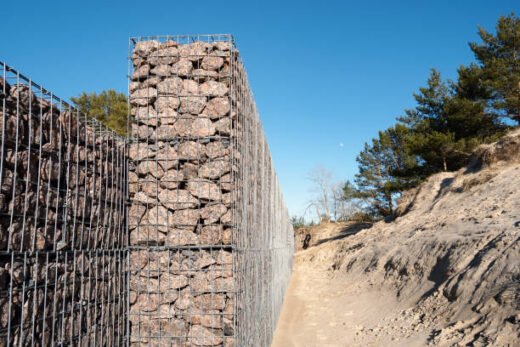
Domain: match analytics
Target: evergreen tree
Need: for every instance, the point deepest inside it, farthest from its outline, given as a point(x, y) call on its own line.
point(495, 78)
point(376, 182)
point(447, 126)
point(450, 120)
point(109, 107)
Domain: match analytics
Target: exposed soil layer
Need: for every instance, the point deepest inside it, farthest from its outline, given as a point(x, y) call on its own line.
point(446, 272)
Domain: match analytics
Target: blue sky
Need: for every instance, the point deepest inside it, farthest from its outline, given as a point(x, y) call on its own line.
point(326, 75)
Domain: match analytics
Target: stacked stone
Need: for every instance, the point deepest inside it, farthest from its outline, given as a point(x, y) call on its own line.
point(180, 214)
point(61, 222)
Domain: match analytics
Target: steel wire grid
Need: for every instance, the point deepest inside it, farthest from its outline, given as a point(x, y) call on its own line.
point(62, 222)
point(210, 240)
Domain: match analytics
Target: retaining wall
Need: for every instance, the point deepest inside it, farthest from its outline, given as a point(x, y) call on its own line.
point(211, 243)
point(175, 236)
point(62, 234)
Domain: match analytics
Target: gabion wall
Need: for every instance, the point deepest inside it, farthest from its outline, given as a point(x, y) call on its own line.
point(211, 245)
point(62, 231)
point(178, 236)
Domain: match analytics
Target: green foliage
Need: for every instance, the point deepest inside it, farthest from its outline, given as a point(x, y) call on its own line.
point(349, 191)
point(376, 182)
point(109, 107)
point(450, 120)
point(498, 69)
point(297, 222)
point(361, 217)
point(446, 127)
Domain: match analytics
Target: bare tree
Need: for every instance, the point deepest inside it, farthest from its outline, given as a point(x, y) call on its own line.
point(338, 203)
point(321, 180)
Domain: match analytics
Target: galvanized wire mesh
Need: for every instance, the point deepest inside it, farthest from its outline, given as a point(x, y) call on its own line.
point(210, 240)
point(178, 237)
point(62, 232)
point(264, 237)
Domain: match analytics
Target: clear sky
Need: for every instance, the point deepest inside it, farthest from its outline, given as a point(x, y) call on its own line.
point(326, 75)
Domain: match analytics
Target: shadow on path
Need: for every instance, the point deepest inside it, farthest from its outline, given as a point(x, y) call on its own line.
point(345, 232)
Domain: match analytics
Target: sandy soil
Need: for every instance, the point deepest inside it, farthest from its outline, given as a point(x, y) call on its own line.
point(446, 272)
point(323, 310)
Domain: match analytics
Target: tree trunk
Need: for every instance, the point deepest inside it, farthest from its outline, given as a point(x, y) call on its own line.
point(390, 204)
point(445, 166)
point(318, 213)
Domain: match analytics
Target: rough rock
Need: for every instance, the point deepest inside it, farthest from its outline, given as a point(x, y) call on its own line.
point(223, 127)
point(212, 63)
point(201, 75)
point(214, 169)
point(140, 151)
point(181, 237)
point(144, 48)
point(141, 73)
point(211, 213)
point(161, 70)
point(150, 167)
point(216, 149)
point(171, 179)
point(143, 97)
point(190, 150)
point(182, 68)
point(147, 115)
point(185, 219)
point(211, 235)
point(190, 87)
point(202, 127)
point(213, 88)
point(195, 51)
point(204, 337)
point(146, 236)
point(204, 190)
point(218, 107)
point(192, 104)
point(177, 199)
point(165, 104)
point(164, 56)
point(158, 218)
point(170, 86)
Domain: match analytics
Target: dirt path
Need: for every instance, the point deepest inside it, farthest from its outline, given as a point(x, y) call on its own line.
point(322, 311)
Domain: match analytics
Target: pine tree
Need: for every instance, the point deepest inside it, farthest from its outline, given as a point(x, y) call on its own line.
point(497, 73)
point(376, 182)
point(447, 125)
point(109, 107)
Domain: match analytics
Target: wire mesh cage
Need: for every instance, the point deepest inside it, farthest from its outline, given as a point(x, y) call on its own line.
point(210, 238)
point(62, 231)
point(177, 235)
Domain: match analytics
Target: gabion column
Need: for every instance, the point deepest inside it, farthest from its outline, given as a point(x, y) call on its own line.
point(210, 238)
